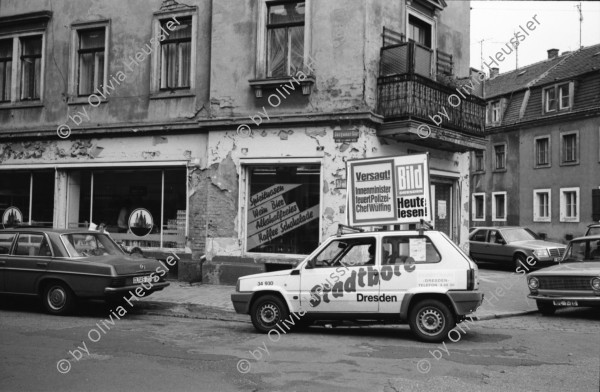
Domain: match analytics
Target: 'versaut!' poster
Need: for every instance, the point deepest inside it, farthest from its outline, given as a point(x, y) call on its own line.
point(388, 191)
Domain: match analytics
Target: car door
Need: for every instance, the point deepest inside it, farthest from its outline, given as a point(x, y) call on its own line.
point(494, 247)
point(342, 278)
point(27, 263)
point(477, 244)
point(6, 241)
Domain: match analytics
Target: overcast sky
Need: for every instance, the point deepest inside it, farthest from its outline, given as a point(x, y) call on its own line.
point(496, 21)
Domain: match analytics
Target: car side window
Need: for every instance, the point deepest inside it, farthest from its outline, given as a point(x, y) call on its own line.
point(347, 252)
point(479, 236)
point(6, 240)
point(495, 237)
point(410, 248)
point(29, 245)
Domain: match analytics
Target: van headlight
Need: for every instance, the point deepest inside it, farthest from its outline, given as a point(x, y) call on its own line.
point(533, 283)
point(541, 253)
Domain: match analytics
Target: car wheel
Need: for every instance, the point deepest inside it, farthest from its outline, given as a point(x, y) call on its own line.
point(545, 308)
point(58, 298)
point(431, 320)
point(520, 260)
point(268, 311)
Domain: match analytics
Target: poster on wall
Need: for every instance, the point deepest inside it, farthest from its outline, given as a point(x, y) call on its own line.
point(388, 191)
point(270, 216)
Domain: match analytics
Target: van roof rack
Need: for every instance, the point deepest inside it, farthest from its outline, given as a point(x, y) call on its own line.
point(343, 229)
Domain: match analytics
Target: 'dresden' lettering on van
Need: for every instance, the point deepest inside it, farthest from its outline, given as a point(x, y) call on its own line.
point(375, 298)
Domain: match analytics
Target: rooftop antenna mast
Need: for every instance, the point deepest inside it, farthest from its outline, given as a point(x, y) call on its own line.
point(580, 22)
point(516, 46)
point(481, 52)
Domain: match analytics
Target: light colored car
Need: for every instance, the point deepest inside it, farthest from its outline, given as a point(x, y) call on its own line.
point(574, 282)
point(511, 246)
point(419, 278)
point(61, 266)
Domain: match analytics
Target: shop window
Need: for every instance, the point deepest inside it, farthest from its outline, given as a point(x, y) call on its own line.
point(283, 209)
point(541, 205)
point(478, 206)
point(569, 204)
point(499, 206)
point(27, 198)
point(143, 208)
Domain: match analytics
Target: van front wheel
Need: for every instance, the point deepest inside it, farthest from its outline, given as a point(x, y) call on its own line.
point(431, 320)
point(268, 311)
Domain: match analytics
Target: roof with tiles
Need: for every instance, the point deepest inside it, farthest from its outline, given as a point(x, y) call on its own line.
point(581, 66)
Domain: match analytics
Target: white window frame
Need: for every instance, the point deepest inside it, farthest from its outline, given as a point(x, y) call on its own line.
point(536, 205)
point(558, 97)
point(74, 60)
point(474, 207)
point(245, 191)
point(562, 148)
point(155, 91)
point(261, 36)
point(535, 151)
point(15, 78)
point(494, 218)
point(563, 205)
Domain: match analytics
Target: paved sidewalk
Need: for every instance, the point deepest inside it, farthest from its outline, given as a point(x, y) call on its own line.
point(505, 295)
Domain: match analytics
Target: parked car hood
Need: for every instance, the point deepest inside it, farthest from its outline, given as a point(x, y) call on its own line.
point(125, 265)
point(538, 244)
point(574, 268)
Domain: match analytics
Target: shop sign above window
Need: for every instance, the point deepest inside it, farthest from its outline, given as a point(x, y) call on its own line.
point(12, 216)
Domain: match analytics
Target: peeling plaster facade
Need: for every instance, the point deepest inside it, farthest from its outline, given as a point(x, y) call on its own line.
point(195, 130)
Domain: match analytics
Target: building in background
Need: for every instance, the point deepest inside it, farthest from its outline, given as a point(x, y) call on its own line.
point(541, 168)
point(223, 127)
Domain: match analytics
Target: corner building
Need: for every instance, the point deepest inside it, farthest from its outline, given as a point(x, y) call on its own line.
point(228, 122)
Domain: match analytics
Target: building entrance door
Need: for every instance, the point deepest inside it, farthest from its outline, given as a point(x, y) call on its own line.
point(443, 207)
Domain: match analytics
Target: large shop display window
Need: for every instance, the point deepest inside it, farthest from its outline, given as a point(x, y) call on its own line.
point(283, 209)
point(141, 207)
point(27, 198)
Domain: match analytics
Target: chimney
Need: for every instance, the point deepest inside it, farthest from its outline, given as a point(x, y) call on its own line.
point(552, 53)
point(494, 72)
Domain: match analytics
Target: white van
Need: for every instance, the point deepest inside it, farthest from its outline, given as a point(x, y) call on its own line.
point(419, 277)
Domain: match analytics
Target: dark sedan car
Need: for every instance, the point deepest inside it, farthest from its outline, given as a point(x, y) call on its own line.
point(64, 265)
point(512, 246)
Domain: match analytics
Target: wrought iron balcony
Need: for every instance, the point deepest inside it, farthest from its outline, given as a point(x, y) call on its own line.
point(408, 90)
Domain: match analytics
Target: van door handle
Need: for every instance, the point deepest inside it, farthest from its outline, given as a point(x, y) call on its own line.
point(42, 264)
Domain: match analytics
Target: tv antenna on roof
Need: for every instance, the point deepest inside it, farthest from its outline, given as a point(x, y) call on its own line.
point(580, 22)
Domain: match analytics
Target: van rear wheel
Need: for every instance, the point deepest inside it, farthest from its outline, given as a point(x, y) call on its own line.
point(431, 320)
point(268, 311)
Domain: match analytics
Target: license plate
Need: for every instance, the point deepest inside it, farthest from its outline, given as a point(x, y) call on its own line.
point(141, 279)
point(565, 303)
point(557, 259)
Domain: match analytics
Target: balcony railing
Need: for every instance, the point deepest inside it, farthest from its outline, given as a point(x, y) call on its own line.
point(411, 96)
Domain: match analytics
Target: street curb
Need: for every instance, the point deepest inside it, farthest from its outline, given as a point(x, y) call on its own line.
point(503, 315)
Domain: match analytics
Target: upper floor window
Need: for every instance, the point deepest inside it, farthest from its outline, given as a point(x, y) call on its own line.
point(558, 97)
point(176, 55)
point(285, 38)
point(495, 111)
point(91, 56)
point(479, 161)
point(500, 154)
point(31, 67)
point(6, 52)
point(542, 151)
point(419, 31)
point(174, 52)
point(569, 148)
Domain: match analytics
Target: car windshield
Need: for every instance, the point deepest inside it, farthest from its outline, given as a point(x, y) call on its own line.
point(594, 230)
point(518, 234)
point(582, 250)
point(90, 244)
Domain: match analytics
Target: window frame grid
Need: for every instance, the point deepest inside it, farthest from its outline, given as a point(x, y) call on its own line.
point(564, 205)
point(503, 168)
point(563, 147)
point(536, 163)
point(494, 207)
point(474, 217)
point(536, 205)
